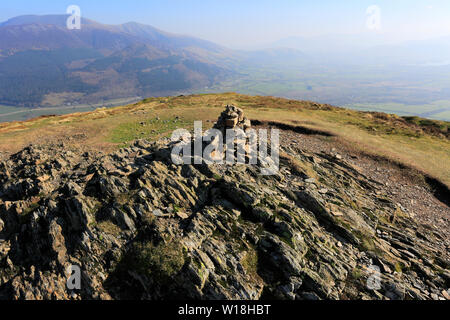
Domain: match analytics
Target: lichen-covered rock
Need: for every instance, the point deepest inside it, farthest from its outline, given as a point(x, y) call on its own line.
point(140, 227)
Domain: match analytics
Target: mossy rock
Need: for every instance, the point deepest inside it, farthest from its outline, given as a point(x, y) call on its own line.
point(160, 262)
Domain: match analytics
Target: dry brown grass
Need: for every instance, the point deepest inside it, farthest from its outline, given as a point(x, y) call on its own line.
point(410, 142)
point(299, 167)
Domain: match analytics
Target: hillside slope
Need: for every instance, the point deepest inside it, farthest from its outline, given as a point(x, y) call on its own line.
point(41, 58)
point(417, 143)
point(143, 228)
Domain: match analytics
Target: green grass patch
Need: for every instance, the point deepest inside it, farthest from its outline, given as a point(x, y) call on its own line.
point(250, 263)
point(26, 213)
point(145, 129)
point(160, 262)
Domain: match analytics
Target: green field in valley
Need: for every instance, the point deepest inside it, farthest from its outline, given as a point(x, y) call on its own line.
point(438, 110)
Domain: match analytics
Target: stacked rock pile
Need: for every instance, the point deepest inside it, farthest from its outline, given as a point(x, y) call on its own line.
point(232, 118)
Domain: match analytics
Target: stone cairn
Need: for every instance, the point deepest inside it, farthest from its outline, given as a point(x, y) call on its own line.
point(232, 118)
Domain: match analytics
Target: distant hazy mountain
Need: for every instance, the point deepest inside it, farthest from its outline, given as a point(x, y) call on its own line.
point(58, 20)
point(424, 52)
point(333, 42)
point(274, 57)
point(369, 48)
point(42, 62)
point(92, 32)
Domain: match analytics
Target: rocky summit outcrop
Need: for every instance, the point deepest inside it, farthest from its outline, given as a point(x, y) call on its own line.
point(140, 227)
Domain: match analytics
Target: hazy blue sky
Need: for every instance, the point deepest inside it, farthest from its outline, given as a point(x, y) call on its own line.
point(236, 23)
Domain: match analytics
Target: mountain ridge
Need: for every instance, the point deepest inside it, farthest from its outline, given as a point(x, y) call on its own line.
point(25, 39)
point(44, 38)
